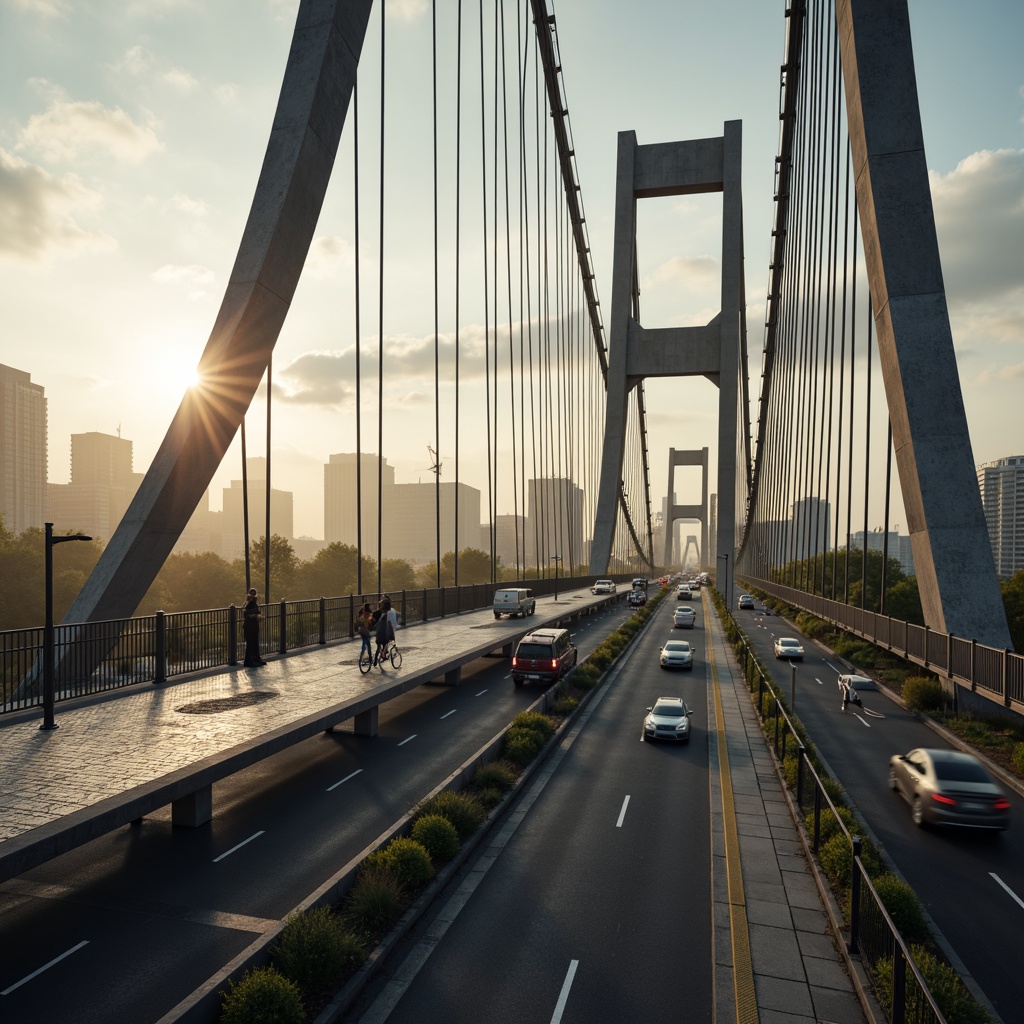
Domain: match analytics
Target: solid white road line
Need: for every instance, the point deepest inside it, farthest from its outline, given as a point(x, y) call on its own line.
point(1007, 888)
point(45, 967)
point(447, 713)
point(351, 775)
point(408, 739)
point(622, 813)
point(861, 720)
point(239, 846)
point(563, 996)
point(481, 693)
point(818, 681)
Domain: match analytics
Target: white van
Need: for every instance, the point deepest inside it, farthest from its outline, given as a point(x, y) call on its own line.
point(514, 601)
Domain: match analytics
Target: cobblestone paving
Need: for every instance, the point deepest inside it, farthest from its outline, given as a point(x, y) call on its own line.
point(106, 746)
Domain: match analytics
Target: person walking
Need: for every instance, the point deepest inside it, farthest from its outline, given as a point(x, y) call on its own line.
point(251, 616)
point(362, 626)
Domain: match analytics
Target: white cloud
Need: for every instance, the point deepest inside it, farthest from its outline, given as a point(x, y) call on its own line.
point(38, 214)
point(73, 130)
point(43, 8)
point(328, 255)
point(227, 93)
point(180, 81)
point(197, 280)
point(407, 10)
point(685, 272)
point(979, 218)
point(188, 205)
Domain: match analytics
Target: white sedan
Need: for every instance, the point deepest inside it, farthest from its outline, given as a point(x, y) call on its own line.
point(789, 647)
point(683, 617)
point(676, 654)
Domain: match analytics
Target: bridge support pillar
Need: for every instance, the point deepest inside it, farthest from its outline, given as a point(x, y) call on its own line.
point(716, 350)
point(453, 677)
point(365, 723)
point(698, 511)
point(193, 810)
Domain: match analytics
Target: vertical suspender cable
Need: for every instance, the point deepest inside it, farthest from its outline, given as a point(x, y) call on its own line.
point(358, 328)
point(437, 335)
point(266, 536)
point(380, 330)
point(245, 510)
point(885, 526)
point(458, 211)
point(487, 308)
point(867, 464)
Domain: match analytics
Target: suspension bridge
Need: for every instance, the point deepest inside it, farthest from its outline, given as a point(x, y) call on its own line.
point(536, 379)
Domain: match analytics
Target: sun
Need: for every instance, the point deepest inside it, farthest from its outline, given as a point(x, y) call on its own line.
point(178, 374)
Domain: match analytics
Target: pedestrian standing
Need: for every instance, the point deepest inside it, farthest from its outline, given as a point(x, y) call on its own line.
point(251, 615)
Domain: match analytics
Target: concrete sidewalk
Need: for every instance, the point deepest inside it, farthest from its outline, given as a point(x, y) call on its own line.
point(776, 960)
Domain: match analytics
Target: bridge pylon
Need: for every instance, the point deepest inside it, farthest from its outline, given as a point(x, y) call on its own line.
point(698, 511)
point(716, 350)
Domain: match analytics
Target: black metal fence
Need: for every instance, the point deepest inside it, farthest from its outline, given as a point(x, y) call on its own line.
point(901, 988)
point(996, 672)
point(95, 657)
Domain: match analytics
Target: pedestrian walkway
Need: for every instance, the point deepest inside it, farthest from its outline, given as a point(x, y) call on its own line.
point(115, 757)
point(776, 961)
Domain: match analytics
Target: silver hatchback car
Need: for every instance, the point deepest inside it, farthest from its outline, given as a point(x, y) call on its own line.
point(669, 719)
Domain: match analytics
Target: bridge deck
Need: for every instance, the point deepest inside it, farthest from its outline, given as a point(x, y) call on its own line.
point(115, 758)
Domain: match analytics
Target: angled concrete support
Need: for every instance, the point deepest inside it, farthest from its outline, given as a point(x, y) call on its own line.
point(314, 99)
point(715, 350)
point(952, 551)
point(365, 723)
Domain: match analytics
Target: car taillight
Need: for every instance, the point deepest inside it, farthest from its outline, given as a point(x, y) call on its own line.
point(554, 663)
point(515, 661)
point(1001, 804)
point(940, 799)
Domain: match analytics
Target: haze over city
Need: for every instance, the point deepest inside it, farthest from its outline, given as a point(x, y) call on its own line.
point(131, 139)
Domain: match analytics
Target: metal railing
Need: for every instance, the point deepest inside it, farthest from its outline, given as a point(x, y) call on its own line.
point(154, 648)
point(872, 933)
point(993, 672)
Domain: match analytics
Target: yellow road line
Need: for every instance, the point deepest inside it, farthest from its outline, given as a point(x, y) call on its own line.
point(743, 972)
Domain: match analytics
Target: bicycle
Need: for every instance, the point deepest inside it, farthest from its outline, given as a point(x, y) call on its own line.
point(390, 653)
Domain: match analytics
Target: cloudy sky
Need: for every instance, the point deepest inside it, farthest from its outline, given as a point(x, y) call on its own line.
point(131, 136)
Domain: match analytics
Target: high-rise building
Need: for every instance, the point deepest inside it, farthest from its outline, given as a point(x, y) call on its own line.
point(346, 493)
point(410, 520)
point(895, 545)
point(22, 451)
point(1002, 497)
point(555, 524)
point(101, 488)
point(234, 503)
point(810, 528)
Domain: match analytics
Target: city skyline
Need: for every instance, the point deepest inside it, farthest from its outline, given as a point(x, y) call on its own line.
point(130, 144)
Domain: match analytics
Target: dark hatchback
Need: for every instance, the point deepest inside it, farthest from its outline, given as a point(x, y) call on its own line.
point(543, 656)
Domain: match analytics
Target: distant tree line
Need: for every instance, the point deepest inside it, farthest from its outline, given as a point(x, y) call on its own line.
point(196, 581)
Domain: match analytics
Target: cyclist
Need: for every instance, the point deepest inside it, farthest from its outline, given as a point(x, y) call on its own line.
point(382, 632)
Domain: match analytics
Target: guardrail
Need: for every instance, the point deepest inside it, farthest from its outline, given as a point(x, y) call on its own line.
point(994, 672)
point(154, 648)
point(872, 933)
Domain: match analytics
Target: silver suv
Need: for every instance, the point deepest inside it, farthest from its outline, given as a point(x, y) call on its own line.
point(514, 601)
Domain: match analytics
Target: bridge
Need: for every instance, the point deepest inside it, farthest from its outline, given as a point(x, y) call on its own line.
point(549, 389)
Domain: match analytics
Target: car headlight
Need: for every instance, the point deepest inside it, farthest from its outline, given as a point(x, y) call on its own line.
point(683, 726)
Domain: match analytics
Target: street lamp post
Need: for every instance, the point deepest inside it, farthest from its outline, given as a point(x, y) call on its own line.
point(556, 559)
point(48, 658)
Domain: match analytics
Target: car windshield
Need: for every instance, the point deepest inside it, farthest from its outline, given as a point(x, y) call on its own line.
point(677, 645)
point(961, 771)
point(669, 710)
point(534, 651)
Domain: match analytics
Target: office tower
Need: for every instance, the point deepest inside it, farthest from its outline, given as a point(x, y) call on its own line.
point(1002, 498)
point(555, 525)
point(346, 493)
point(22, 451)
point(810, 528)
point(101, 489)
point(233, 523)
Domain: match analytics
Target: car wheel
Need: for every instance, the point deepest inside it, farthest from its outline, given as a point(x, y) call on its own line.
point(893, 784)
point(917, 812)
point(518, 682)
point(497, 615)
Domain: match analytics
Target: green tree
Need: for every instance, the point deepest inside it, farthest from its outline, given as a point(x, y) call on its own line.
point(1013, 602)
point(284, 564)
point(396, 574)
point(332, 573)
point(192, 581)
point(903, 601)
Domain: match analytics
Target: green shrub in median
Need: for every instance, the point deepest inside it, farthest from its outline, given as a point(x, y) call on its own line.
point(1017, 758)
point(437, 835)
point(536, 721)
point(263, 996)
point(949, 992)
point(923, 693)
point(409, 862)
point(315, 950)
point(463, 810)
point(586, 676)
point(495, 775)
point(376, 901)
point(903, 906)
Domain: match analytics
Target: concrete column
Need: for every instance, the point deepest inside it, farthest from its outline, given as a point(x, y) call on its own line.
point(193, 810)
point(365, 723)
